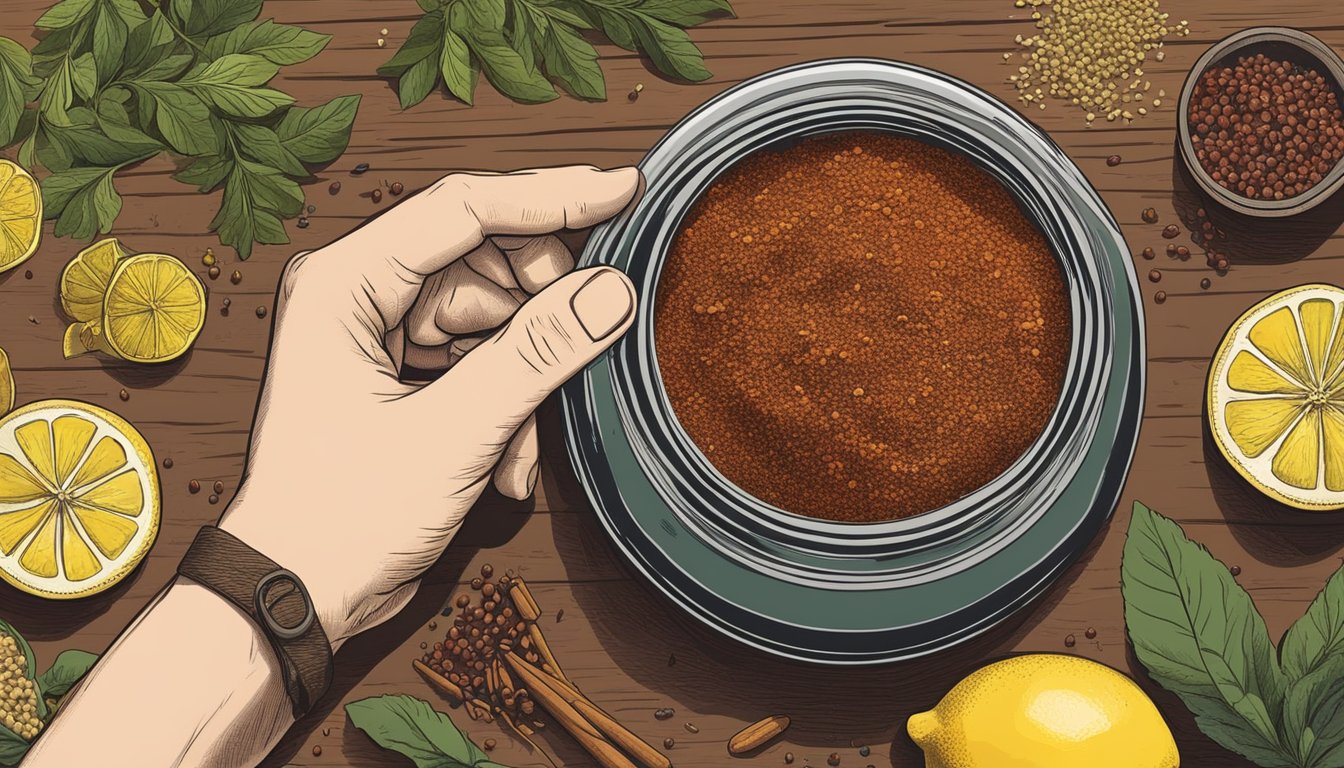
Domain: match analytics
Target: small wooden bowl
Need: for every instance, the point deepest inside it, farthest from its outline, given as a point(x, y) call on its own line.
point(1280, 43)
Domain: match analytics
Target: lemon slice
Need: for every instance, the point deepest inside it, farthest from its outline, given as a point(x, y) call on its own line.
point(6, 384)
point(153, 308)
point(20, 215)
point(1276, 397)
point(84, 280)
point(79, 499)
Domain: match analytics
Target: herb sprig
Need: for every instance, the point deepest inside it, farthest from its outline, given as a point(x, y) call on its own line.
point(409, 726)
point(526, 47)
point(114, 82)
point(1200, 636)
point(50, 686)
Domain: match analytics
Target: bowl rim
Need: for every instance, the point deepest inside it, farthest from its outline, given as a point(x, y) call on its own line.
point(921, 604)
point(1234, 43)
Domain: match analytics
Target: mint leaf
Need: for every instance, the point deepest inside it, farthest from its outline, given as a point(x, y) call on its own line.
point(410, 727)
point(205, 172)
point(422, 42)
point(83, 201)
point(16, 82)
point(229, 84)
point(1317, 637)
point(1313, 717)
point(319, 134)
point(671, 49)
point(65, 14)
point(455, 64)
point(573, 61)
point(263, 145)
point(502, 65)
point(277, 43)
point(213, 17)
point(255, 196)
point(110, 31)
point(180, 117)
point(68, 668)
point(84, 76)
point(686, 13)
point(1199, 635)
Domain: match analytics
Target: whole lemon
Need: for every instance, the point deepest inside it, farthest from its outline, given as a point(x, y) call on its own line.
point(1044, 711)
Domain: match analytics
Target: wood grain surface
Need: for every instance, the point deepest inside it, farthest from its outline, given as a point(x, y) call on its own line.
point(629, 649)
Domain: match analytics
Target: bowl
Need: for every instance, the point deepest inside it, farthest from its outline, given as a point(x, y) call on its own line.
point(1282, 43)
point(847, 593)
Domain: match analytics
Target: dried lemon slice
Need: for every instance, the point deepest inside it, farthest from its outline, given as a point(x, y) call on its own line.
point(153, 308)
point(20, 215)
point(84, 280)
point(1276, 396)
point(79, 499)
point(6, 384)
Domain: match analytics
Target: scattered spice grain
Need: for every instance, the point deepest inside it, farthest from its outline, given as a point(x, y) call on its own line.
point(788, 758)
point(872, 262)
point(1171, 231)
point(1113, 160)
point(1091, 633)
point(1149, 254)
point(213, 272)
point(1160, 297)
point(303, 222)
point(219, 486)
point(1204, 283)
point(1149, 215)
point(488, 744)
point(213, 499)
point(124, 395)
point(194, 486)
point(1235, 570)
point(396, 188)
point(208, 259)
point(335, 188)
point(28, 274)
point(1069, 641)
point(1182, 252)
point(666, 713)
point(691, 727)
point(168, 463)
point(669, 742)
point(261, 311)
point(1171, 249)
point(865, 751)
point(833, 759)
point(317, 750)
point(359, 168)
point(376, 195)
point(1155, 275)
point(236, 277)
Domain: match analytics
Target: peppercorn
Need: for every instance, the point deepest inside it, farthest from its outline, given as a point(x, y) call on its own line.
point(194, 486)
point(1155, 275)
point(1205, 283)
point(219, 487)
point(788, 758)
point(1091, 633)
point(1182, 252)
point(1069, 641)
point(1149, 254)
point(124, 395)
point(1221, 265)
point(669, 742)
point(488, 744)
point(213, 499)
point(1266, 129)
point(168, 463)
point(317, 750)
point(261, 311)
point(1160, 297)
point(1171, 231)
point(1113, 160)
point(477, 583)
point(1171, 249)
point(377, 195)
point(303, 222)
point(27, 274)
point(1235, 570)
point(335, 188)
point(1149, 215)
point(213, 272)
point(236, 277)
point(359, 169)
point(487, 571)
point(312, 208)
point(666, 713)
point(397, 188)
point(833, 759)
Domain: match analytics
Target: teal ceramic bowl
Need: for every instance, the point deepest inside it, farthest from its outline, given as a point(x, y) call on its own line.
point(842, 593)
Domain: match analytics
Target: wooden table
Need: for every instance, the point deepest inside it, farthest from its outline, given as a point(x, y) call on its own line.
point(626, 646)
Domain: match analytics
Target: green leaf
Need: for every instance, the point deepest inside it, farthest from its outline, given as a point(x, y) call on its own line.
point(573, 60)
point(410, 727)
point(319, 134)
point(1313, 717)
point(84, 76)
point(687, 13)
point(229, 85)
point(12, 747)
point(459, 74)
point(423, 41)
point(83, 201)
point(1318, 636)
point(110, 31)
point(277, 43)
point(90, 144)
point(671, 50)
point(147, 45)
point(69, 667)
point(523, 35)
point(205, 172)
point(59, 92)
point(1199, 635)
point(416, 83)
point(50, 149)
point(16, 80)
point(263, 145)
point(502, 65)
point(203, 18)
point(181, 117)
point(65, 14)
point(255, 197)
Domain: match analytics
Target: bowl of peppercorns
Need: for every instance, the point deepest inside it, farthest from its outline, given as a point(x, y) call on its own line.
point(1262, 130)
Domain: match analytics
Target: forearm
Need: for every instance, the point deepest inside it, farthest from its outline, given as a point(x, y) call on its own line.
point(191, 682)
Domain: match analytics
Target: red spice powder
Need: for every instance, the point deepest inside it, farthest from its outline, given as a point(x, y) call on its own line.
point(861, 327)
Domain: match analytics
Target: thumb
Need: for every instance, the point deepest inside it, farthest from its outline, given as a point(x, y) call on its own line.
point(549, 339)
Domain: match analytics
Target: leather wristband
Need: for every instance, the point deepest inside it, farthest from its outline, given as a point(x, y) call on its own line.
point(277, 603)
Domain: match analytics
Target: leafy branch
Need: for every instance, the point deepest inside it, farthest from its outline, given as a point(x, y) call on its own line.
point(114, 82)
point(526, 47)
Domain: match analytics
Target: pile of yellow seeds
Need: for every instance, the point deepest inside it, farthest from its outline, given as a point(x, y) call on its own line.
point(18, 695)
point(1092, 53)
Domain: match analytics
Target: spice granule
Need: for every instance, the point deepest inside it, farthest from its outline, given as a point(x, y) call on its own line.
point(861, 327)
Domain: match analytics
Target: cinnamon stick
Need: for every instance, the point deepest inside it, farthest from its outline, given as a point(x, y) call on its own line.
point(523, 601)
point(608, 725)
point(544, 650)
point(439, 682)
point(564, 713)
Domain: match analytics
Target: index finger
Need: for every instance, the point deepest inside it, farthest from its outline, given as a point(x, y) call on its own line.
point(428, 231)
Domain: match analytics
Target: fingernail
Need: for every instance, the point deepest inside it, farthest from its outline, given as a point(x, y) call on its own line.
point(602, 304)
point(532, 479)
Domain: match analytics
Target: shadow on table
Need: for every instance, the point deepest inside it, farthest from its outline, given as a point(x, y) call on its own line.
point(1246, 239)
point(692, 666)
point(1272, 532)
point(493, 521)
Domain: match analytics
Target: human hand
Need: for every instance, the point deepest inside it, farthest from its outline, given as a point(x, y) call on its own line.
point(357, 481)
